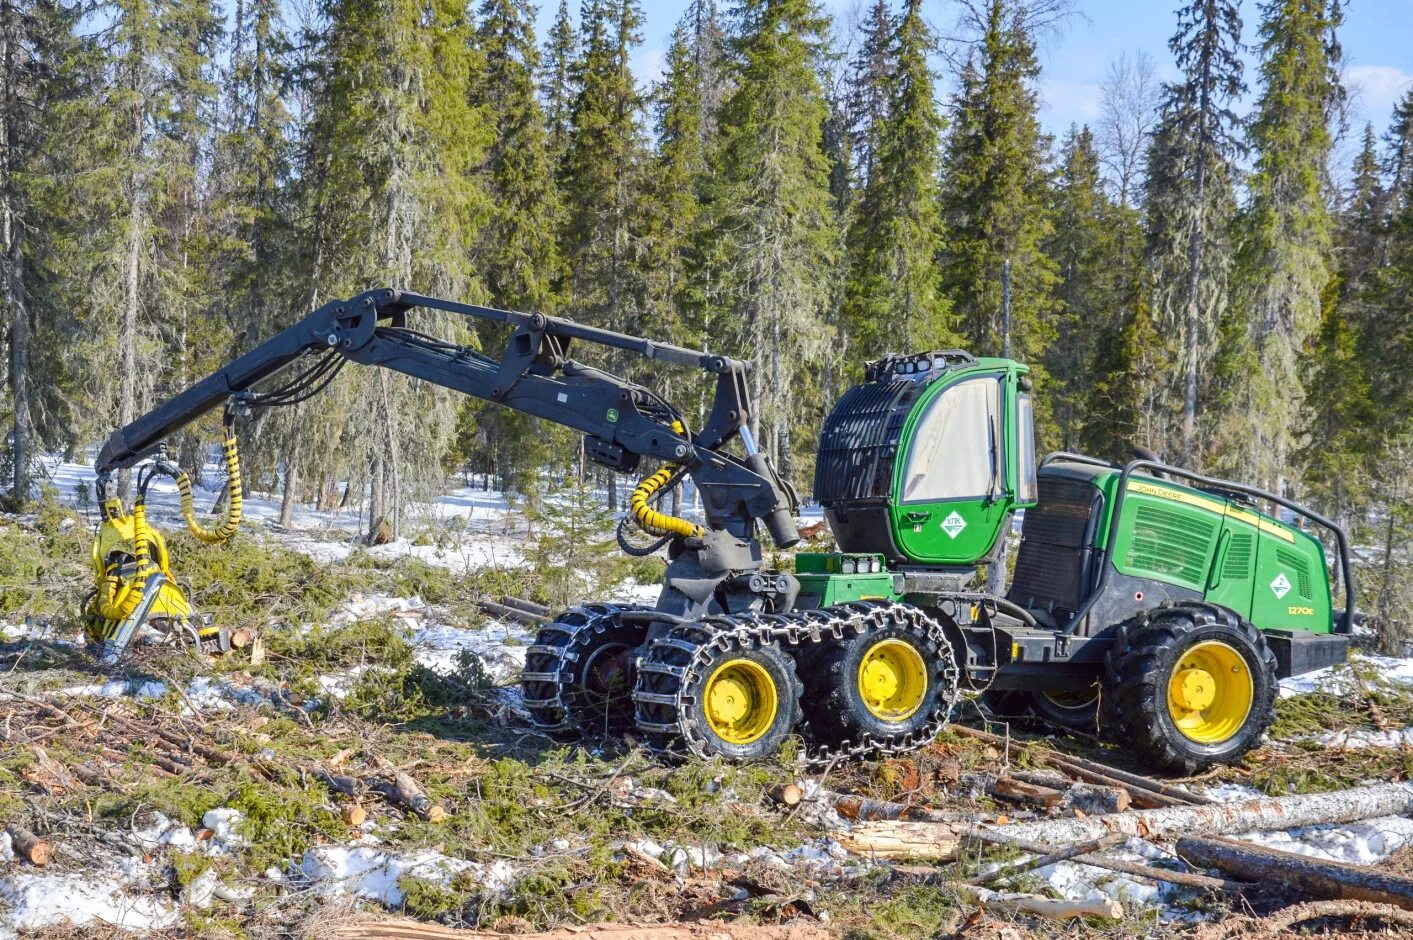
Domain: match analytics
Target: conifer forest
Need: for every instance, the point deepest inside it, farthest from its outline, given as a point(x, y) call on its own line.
point(181, 180)
point(431, 688)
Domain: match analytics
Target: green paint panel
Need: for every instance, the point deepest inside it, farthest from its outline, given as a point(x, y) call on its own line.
point(955, 482)
point(841, 588)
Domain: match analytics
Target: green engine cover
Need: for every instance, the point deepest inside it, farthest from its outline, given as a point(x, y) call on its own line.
point(1271, 573)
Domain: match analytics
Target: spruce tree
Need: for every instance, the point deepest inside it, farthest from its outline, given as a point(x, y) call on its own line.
point(868, 81)
point(893, 298)
point(38, 82)
point(994, 192)
point(395, 147)
point(1190, 199)
point(1092, 277)
point(773, 230)
point(1287, 227)
point(557, 80)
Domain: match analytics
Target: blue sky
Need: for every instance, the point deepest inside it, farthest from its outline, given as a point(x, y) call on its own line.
point(1377, 38)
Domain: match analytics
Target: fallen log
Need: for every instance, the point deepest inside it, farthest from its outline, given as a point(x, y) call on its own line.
point(1286, 812)
point(707, 930)
point(1138, 869)
point(511, 613)
point(38, 852)
point(1088, 799)
point(787, 794)
point(353, 814)
point(1048, 908)
point(1145, 792)
point(1049, 858)
point(1313, 876)
point(405, 792)
point(528, 606)
point(1019, 791)
point(865, 808)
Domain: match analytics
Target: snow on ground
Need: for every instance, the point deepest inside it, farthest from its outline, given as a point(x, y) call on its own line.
point(1362, 843)
point(1359, 739)
point(375, 874)
point(1341, 680)
point(110, 887)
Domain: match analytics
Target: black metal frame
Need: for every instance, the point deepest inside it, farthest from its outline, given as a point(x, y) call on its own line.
point(623, 422)
point(1127, 470)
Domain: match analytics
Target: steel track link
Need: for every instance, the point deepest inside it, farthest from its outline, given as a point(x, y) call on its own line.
point(670, 672)
point(547, 680)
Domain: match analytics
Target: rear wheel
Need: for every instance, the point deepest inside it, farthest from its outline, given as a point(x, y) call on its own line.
point(1074, 709)
point(1188, 686)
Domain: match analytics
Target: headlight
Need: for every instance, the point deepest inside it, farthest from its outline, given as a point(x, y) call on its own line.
point(875, 565)
point(848, 566)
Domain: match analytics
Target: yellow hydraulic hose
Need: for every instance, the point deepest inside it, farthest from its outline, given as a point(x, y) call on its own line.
point(233, 497)
point(115, 599)
point(650, 520)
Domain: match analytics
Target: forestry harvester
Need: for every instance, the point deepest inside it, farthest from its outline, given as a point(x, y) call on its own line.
point(1164, 603)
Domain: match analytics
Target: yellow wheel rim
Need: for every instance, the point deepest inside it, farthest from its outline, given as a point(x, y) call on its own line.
point(741, 701)
point(892, 680)
point(1210, 693)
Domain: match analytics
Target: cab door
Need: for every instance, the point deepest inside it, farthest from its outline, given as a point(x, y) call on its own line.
point(950, 491)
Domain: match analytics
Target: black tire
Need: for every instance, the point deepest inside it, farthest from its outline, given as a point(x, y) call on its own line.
point(1080, 713)
point(835, 705)
point(578, 675)
point(674, 680)
point(1147, 650)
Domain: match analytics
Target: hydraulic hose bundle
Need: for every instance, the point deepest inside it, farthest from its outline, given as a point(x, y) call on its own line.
point(228, 526)
point(640, 506)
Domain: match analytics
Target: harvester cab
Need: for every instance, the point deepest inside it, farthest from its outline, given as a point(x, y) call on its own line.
point(1158, 597)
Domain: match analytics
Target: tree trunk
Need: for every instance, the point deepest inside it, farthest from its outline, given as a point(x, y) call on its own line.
point(377, 495)
point(19, 365)
point(1285, 812)
point(1312, 876)
point(287, 497)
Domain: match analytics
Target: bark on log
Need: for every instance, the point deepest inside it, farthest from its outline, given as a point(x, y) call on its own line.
point(899, 840)
point(510, 613)
point(404, 791)
point(1286, 812)
point(39, 852)
point(1087, 799)
point(1042, 907)
point(1049, 858)
point(1018, 791)
point(863, 808)
point(1200, 882)
point(528, 606)
point(1313, 876)
point(709, 930)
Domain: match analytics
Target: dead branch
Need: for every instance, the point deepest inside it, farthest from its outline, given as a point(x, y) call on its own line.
point(1313, 876)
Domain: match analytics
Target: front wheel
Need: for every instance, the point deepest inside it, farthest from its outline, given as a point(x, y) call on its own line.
point(1188, 686)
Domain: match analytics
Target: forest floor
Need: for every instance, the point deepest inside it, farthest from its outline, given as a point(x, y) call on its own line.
point(373, 760)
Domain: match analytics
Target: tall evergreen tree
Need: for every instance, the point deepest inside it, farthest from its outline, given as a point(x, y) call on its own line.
point(870, 71)
point(557, 80)
point(773, 228)
point(1285, 255)
point(396, 146)
point(1092, 277)
point(893, 297)
point(37, 52)
point(1190, 197)
point(994, 191)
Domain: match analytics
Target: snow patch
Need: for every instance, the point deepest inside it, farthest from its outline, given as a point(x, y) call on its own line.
point(1361, 843)
point(366, 872)
point(35, 901)
point(1359, 740)
point(1340, 679)
point(224, 824)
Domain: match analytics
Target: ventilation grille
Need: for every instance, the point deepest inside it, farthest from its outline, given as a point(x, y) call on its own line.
point(859, 440)
point(1298, 567)
point(1237, 566)
point(1171, 544)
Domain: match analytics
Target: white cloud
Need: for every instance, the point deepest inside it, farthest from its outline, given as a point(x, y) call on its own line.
point(1070, 102)
point(1378, 86)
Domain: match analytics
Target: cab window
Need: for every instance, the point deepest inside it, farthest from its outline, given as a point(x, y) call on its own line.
point(1029, 489)
point(956, 451)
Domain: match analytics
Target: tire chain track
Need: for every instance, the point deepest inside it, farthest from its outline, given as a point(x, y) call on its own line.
point(660, 690)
